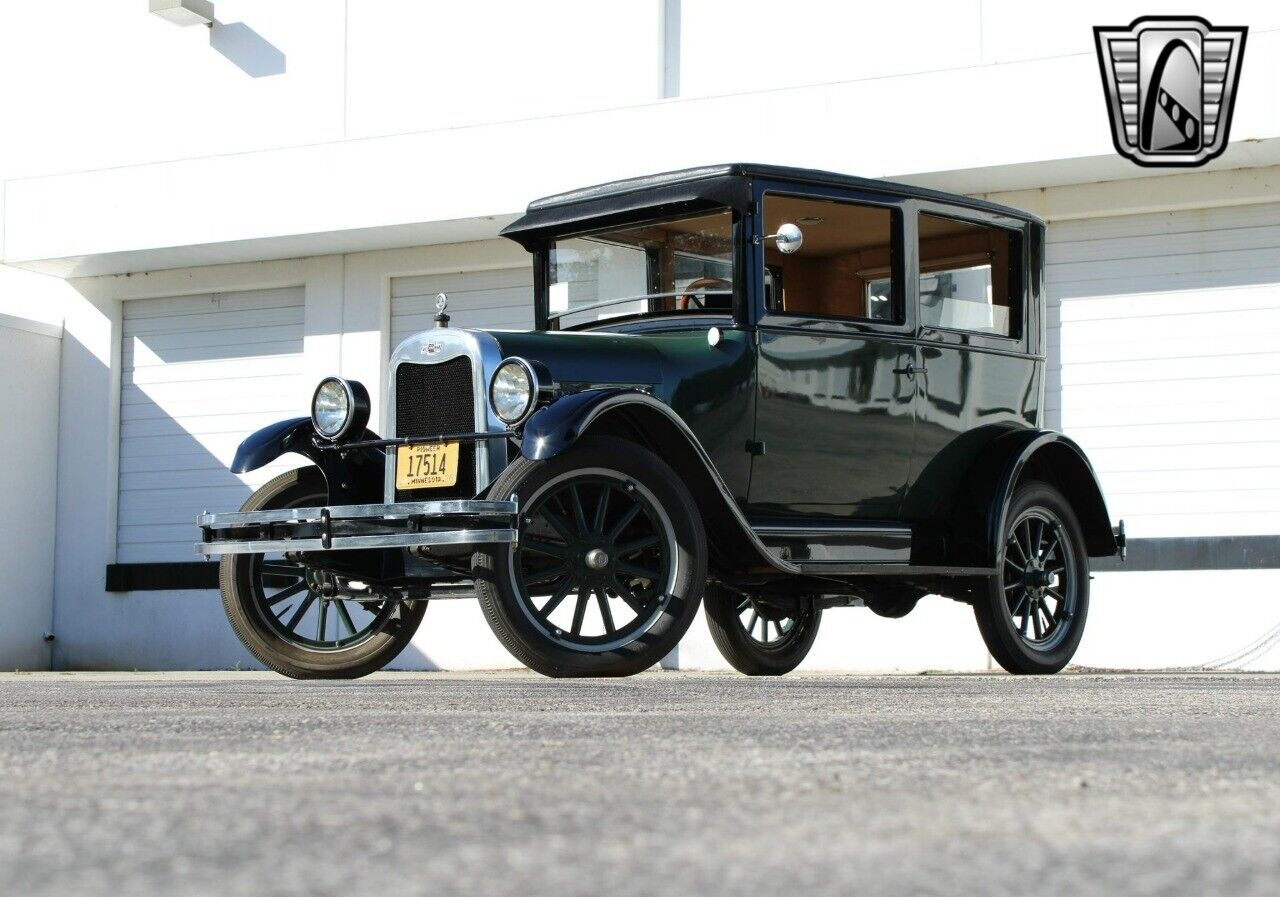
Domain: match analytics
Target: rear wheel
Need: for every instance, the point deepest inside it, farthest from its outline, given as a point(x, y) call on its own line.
point(610, 564)
point(757, 638)
point(1032, 613)
point(304, 622)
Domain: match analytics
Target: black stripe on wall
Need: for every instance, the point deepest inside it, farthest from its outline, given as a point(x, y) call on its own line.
point(1145, 555)
point(1196, 553)
point(162, 577)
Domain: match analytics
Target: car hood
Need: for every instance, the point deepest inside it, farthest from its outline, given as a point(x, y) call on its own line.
point(587, 359)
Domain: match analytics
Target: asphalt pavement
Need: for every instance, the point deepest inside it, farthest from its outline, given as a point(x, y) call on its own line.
point(666, 783)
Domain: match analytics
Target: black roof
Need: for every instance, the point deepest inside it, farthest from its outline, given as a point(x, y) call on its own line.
point(711, 185)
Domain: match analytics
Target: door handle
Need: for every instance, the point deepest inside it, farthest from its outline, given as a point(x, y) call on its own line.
point(911, 370)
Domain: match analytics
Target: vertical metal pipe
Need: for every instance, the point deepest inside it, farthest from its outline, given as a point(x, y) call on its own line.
point(668, 48)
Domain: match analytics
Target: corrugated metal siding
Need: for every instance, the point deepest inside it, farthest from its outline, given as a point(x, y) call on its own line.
point(1164, 363)
point(199, 373)
point(500, 299)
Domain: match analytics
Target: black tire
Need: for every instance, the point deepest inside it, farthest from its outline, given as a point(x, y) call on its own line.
point(736, 639)
point(384, 627)
point(632, 498)
point(1032, 614)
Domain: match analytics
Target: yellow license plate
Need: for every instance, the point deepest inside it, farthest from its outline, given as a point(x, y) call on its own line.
point(426, 465)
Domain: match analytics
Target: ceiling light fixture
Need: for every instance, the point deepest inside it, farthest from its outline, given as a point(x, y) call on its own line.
point(184, 12)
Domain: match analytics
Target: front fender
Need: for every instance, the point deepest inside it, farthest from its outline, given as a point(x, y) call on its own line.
point(557, 426)
point(352, 476)
point(269, 443)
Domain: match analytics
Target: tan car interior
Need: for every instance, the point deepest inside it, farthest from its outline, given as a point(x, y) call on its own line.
point(847, 246)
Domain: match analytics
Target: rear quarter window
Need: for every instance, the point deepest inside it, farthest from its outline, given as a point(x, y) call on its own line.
point(970, 276)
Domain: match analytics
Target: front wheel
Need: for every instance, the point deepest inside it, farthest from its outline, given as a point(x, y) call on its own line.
point(1032, 613)
point(757, 638)
point(609, 567)
point(301, 621)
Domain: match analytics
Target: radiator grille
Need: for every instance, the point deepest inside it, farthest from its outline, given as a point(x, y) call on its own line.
point(438, 398)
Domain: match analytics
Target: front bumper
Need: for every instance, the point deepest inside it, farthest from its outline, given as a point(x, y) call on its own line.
point(346, 527)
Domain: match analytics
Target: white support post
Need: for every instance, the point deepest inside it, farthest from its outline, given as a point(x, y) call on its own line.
point(668, 48)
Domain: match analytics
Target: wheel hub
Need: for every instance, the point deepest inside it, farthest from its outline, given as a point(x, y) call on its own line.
point(1036, 578)
point(324, 585)
point(596, 559)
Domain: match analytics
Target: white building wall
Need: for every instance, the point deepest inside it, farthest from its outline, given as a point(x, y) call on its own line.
point(347, 330)
point(310, 131)
point(971, 127)
point(197, 373)
point(274, 73)
point(1163, 365)
point(29, 357)
point(145, 630)
point(1162, 356)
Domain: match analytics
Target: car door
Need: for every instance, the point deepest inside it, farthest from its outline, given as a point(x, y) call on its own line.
point(980, 377)
point(836, 362)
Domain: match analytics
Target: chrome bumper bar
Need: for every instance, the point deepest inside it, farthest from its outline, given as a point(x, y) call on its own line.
point(345, 527)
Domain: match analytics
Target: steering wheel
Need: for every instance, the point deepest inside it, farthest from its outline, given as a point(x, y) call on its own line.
point(684, 301)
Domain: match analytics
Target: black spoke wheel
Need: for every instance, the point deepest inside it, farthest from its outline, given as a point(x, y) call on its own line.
point(758, 638)
point(307, 606)
point(605, 577)
point(594, 563)
point(1032, 613)
point(303, 622)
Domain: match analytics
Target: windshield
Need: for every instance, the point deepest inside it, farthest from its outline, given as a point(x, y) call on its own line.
point(680, 266)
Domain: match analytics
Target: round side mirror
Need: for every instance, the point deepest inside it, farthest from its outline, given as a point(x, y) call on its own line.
point(789, 239)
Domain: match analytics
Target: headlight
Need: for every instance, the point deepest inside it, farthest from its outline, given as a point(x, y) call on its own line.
point(513, 390)
point(339, 407)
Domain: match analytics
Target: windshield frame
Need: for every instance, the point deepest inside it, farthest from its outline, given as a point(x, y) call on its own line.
point(544, 320)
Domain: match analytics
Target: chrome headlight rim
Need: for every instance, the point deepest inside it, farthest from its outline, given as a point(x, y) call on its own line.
point(356, 398)
point(536, 388)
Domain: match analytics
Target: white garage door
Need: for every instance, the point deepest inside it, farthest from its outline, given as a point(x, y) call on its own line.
point(199, 373)
point(499, 299)
point(1165, 363)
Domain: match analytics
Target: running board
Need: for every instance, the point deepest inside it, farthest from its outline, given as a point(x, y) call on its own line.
point(821, 546)
point(916, 570)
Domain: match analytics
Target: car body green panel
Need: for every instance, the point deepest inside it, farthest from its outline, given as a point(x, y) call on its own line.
point(834, 423)
point(967, 398)
point(711, 388)
point(581, 360)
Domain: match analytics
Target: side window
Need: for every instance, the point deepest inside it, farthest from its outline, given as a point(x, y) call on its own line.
point(970, 276)
point(844, 267)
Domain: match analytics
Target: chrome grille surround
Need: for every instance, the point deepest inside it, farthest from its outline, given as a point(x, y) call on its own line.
point(438, 398)
point(440, 345)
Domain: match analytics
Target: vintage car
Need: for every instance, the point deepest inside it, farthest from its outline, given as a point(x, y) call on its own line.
point(773, 391)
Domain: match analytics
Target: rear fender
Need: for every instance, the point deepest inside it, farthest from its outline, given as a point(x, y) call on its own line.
point(1008, 462)
point(353, 476)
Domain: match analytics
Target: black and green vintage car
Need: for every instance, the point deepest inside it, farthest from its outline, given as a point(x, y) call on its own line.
point(773, 391)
